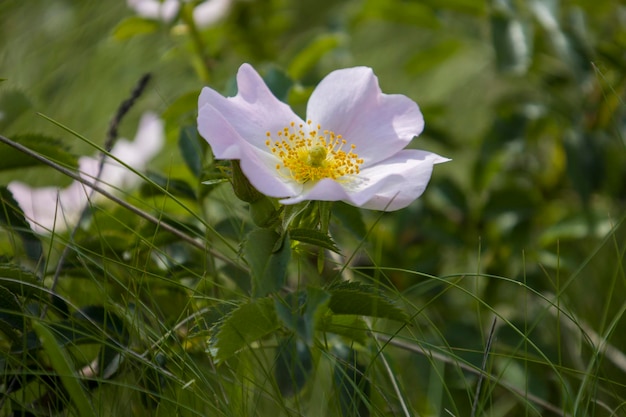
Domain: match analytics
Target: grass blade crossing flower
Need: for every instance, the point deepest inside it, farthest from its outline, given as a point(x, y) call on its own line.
point(351, 147)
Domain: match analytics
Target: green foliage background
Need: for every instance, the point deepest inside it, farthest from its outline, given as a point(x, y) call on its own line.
point(526, 224)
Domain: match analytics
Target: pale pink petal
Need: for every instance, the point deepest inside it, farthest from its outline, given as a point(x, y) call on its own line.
point(236, 128)
point(391, 185)
point(350, 103)
point(260, 169)
point(230, 123)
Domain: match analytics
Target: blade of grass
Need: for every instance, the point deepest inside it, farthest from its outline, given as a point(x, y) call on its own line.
point(62, 365)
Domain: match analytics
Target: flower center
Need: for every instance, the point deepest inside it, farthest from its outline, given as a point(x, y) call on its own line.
point(312, 154)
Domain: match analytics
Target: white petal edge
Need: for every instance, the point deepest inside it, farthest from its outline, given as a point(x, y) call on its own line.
point(391, 185)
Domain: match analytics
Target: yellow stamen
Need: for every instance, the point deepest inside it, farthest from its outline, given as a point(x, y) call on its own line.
point(312, 155)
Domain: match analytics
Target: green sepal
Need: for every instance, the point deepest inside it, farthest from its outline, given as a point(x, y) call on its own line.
point(242, 187)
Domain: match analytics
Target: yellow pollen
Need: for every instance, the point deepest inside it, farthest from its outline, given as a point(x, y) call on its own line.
point(312, 155)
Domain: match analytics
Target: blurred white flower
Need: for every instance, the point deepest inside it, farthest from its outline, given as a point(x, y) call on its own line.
point(210, 12)
point(165, 10)
point(205, 14)
point(42, 205)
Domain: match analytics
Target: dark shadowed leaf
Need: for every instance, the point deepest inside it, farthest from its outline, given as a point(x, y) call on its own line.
point(363, 300)
point(268, 257)
point(12, 217)
point(351, 218)
point(190, 149)
point(52, 148)
point(176, 187)
point(352, 387)
point(294, 365)
point(246, 324)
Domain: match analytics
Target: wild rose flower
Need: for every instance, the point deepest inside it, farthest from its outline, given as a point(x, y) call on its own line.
point(351, 147)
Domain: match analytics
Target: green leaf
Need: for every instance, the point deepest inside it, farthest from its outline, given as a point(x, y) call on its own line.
point(311, 55)
point(64, 368)
point(190, 149)
point(268, 256)
point(12, 217)
point(512, 41)
point(363, 300)
point(314, 237)
point(176, 187)
point(463, 6)
point(351, 218)
point(433, 56)
point(278, 82)
point(13, 104)
point(18, 280)
point(397, 11)
point(246, 324)
point(52, 148)
point(133, 26)
point(346, 325)
point(264, 212)
point(301, 310)
point(294, 364)
point(182, 111)
point(10, 309)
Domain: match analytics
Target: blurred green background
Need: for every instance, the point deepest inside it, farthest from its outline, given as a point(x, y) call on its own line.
point(526, 97)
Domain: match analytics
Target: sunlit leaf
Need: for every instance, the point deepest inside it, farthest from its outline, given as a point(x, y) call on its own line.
point(314, 237)
point(133, 26)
